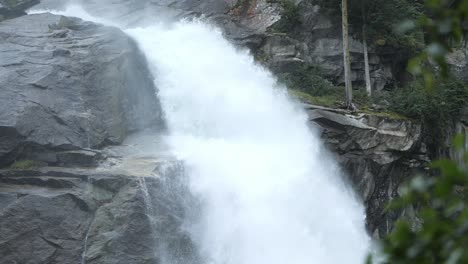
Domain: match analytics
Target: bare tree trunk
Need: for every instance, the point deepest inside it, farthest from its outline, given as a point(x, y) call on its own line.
point(346, 55)
point(367, 69)
point(366, 53)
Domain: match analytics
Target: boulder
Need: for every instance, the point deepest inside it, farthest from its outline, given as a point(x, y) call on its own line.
point(67, 85)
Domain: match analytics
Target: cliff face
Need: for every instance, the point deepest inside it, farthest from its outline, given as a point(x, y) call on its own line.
point(63, 208)
point(57, 215)
point(131, 209)
point(67, 89)
point(378, 153)
point(69, 85)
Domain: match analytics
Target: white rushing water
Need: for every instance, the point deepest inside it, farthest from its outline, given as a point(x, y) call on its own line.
point(270, 193)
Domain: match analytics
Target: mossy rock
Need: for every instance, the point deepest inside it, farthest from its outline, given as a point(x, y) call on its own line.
point(26, 164)
point(337, 101)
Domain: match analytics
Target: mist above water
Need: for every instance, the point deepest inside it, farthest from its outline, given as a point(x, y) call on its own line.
point(270, 193)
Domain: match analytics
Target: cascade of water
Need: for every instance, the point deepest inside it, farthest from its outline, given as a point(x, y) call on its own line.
point(269, 192)
point(83, 255)
point(146, 197)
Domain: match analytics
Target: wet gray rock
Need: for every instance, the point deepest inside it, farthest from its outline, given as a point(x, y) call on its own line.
point(67, 84)
point(58, 215)
point(39, 229)
point(15, 8)
point(78, 158)
point(378, 153)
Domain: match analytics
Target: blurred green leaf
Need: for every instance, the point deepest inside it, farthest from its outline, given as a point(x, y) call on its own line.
point(459, 141)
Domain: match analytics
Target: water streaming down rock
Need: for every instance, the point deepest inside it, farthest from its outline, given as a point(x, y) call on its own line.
point(269, 192)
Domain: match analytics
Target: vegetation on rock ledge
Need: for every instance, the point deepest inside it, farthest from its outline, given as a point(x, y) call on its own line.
point(25, 164)
point(289, 16)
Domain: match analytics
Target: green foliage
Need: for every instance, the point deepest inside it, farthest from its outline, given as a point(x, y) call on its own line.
point(361, 98)
point(331, 100)
point(309, 79)
point(25, 164)
point(289, 16)
point(444, 27)
point(441, 199)
point(239, 4)
point(308, 83)
point(383, 19)
point(335, 100)
point(443, 209)
point(436, 107)
point(384, 24)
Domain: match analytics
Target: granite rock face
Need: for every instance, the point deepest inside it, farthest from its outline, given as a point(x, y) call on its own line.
point(57, 215)
point(69, 85)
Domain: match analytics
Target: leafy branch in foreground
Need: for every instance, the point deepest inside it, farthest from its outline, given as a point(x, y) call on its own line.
point(443, 27)
point(441, 200)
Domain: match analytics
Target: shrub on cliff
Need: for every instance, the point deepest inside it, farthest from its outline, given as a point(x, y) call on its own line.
point(436, 107)
point(289, 16)
point(309, 79)
point(441, 199)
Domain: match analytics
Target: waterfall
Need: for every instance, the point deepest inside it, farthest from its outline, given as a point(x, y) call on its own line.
point(270, 193)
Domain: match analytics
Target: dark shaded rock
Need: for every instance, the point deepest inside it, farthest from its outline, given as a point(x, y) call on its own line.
point(15, 8)
point(316, 40)
point(6, 199)
point(18, 4)
point(78, 158)
point(378, 153)
point(39, 229)
point(121, 231)
point(67, 85)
